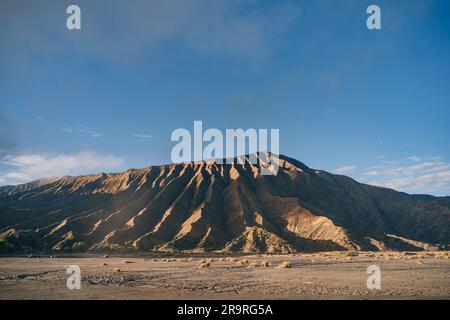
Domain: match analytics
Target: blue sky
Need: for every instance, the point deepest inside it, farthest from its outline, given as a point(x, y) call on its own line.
point(373, 105)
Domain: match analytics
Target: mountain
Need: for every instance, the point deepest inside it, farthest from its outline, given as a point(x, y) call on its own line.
point(207, 206)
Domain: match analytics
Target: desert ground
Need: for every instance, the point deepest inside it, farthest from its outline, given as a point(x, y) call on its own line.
point(332, 275)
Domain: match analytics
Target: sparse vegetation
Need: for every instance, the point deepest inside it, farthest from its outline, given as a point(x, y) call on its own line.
point(6, 247)
point(351, 253)
point(205, 264)
point(285, 264)
point(79, 247)
point(127, 261)
point(106, 246)
point(64, 245)
point(265, 264)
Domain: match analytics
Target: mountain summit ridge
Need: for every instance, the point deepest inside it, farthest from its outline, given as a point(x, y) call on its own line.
point(206, 206)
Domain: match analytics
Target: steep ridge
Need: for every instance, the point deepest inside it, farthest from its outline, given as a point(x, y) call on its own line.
point(207, 206)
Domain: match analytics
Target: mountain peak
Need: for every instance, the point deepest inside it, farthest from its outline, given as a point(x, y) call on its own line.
point(223, 207)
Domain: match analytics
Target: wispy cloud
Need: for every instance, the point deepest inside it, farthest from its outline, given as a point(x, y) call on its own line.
point(414, 158)
point(345, 169)
point(28, 167)
point(427, 175)
point(142, 136)
point(372, 173)
point(81, 129)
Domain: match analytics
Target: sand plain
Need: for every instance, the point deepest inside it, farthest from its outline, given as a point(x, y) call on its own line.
point(332, 275)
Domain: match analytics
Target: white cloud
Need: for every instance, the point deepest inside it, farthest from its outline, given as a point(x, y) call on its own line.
point(415, 158)
point(345, 170)
point(82, 130)
point(16, 176)
point(372, 173)
point(431, 177)
point(435, 158)
point(25, 168)
point(8, 162)
point(142, 136)
point(423, 167)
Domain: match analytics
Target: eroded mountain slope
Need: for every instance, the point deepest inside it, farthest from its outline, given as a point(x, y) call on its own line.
point(208, 206)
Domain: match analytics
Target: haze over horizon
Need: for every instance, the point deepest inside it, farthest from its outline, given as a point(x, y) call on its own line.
point(373, 105)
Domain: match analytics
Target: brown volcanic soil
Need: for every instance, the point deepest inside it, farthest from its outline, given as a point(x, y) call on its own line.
point(330, 275)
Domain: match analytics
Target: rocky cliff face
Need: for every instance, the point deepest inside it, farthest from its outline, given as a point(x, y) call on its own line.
point(207, 206)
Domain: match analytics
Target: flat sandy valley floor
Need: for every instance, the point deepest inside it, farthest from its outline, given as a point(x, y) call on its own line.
point(311, 276)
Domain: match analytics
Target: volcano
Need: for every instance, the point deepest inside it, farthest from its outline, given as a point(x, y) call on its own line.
point(206, 206)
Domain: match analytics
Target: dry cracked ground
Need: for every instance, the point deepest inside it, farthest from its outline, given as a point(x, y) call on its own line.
point(333, 275)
